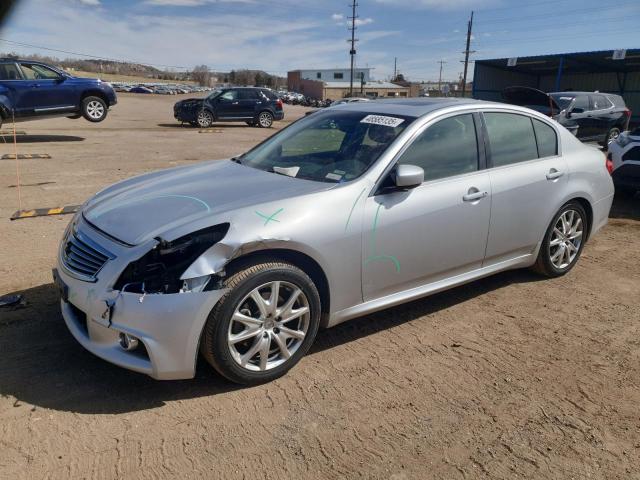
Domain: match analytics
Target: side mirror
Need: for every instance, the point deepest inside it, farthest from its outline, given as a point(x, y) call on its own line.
point(409, 176)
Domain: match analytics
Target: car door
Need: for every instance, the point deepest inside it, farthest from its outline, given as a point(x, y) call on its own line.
point(248, 99)
point(438, 229)
point(580, 112)
point(11, 85)
point(528, 182)
point(228, 105)
point(44, 90)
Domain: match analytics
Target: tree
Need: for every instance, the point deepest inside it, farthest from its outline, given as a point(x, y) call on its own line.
point(202, 75)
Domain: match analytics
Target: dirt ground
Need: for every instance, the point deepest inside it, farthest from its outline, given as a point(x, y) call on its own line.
point(509, 377)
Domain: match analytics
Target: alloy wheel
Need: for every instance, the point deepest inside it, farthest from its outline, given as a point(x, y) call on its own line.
point(204, 118)
point(95, 109)
point(566, 239)
point(268, 326)
point(265, 120)
point(613, 135)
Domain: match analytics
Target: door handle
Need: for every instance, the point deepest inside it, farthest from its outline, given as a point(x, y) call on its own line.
point(35, 85)
point(554, 174)
point(235, 103)
point(474, 195)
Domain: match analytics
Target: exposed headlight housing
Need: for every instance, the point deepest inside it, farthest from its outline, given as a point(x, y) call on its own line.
point(159, 270)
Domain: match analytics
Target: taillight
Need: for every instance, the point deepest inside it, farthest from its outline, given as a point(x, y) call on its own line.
point(279, 103)
point(609, 163)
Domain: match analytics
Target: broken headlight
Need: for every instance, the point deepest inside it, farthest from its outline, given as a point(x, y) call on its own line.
point(159, 270)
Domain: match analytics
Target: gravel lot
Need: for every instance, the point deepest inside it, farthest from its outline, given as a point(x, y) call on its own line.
point(509, 377)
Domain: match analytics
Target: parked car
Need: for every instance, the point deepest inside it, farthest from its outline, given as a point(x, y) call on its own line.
point(255, 106)
point(591, 116)
point(624, 157)
point(347, 211)
point(31, 90)
point(140, 89)
point(350, 100)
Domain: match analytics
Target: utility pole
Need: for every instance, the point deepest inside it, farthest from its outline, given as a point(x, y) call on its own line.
point(466, 54)
point(352, 52)
point(395, 68)
point(441, 62)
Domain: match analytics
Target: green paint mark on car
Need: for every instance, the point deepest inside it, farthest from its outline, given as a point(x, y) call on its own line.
point(270, 218)
point(353, 208)
point(375, 256)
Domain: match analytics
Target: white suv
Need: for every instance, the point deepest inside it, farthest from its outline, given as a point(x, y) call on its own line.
point(624, 162)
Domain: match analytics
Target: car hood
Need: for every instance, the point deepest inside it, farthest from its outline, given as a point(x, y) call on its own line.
point(529, 97)
point(193, 101)
point(144, 207)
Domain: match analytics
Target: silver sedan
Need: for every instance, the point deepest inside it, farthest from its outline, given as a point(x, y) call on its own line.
point(350, 210)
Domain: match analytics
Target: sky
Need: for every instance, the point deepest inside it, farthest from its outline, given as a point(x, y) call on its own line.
point(281, 35)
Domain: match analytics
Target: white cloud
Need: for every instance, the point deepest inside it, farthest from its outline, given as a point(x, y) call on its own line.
point(337, 17)
point(90, 2)
point(363, 21)
point(440, 4)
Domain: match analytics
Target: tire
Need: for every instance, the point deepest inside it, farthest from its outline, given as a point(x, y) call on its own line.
point(548, 263)
point(265, 119)
point(94, 109)
point(227, 354)
point(612, 135)
point(205, 119)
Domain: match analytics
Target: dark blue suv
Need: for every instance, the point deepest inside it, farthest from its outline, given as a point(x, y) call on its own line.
point(30, 90)
point(252, 105)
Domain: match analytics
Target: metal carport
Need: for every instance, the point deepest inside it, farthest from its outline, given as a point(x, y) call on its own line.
point(582, 71)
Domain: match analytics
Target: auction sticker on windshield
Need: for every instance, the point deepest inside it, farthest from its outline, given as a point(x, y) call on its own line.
point(382, 120)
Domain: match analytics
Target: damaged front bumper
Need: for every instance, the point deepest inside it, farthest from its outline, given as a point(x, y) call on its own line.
point(167, 326)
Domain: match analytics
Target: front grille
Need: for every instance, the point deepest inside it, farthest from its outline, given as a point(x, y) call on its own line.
point(632, 154)
point(82, 256)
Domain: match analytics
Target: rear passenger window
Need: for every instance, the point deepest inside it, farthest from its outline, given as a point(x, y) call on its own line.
point(600, 102)
point(581, 104)
point(9, 71)
point(447, 148)
point(546, 139)
point(247, 94)
point(511, 138)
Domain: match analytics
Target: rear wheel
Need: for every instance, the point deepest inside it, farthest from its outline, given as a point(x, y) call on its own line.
point(94, 109)
point(205, 119)
point(265, 119)
point(563, 241)
point(265, 323)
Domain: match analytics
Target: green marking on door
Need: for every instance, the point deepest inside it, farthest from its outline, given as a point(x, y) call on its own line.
point(375, 256)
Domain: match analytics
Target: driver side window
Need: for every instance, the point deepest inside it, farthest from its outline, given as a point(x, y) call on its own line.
point(229, 96)
point(445, 149)
point(38, 72)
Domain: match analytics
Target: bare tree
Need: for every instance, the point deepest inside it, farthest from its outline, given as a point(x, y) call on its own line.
point(202, 75)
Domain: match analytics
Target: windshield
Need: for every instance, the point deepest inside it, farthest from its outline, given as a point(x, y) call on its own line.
point(331, 146)
point(563, 100)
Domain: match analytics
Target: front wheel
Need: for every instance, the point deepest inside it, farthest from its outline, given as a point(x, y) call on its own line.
point(563, 241)
point(265, 119)
point(94, 109)
point(204, 119)
point(612, 135)
point(265, 323)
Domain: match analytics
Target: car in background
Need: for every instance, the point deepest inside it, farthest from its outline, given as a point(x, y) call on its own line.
point(624, 158)
point(591, 116)
point(164, 91)
point(252, 105)
point(140, 89)
point(31, 90)
point(350, 100)
point(346, 212)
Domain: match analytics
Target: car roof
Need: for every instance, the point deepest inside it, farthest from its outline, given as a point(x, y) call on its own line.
point(416, 107)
